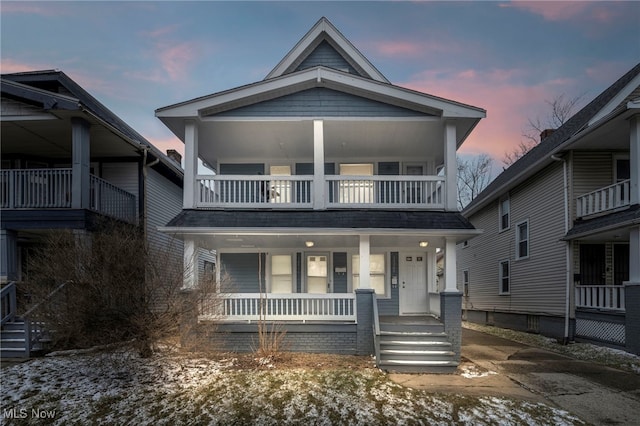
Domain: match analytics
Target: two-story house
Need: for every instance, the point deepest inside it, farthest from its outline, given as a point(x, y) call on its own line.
point(67, 163)
point(332, 191)
point(560, 251)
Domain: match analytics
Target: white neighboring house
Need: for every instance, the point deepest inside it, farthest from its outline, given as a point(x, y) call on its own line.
point(333, 188)
point(560, 252)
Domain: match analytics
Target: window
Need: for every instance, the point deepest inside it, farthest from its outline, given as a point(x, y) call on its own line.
point(376, 272)
point(504, 213)
point(356, 190)
point(465, 282)
point(504, 276)
point(281, 274)
point(522, 240)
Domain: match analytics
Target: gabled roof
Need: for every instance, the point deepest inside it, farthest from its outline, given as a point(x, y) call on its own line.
point(54, 90)
point(324, 32)
point(615, 99)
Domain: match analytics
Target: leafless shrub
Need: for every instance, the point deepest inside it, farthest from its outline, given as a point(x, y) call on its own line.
point(118, 289)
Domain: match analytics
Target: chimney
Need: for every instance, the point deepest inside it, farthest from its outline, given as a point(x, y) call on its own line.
point(546, 133)
point(175, 156)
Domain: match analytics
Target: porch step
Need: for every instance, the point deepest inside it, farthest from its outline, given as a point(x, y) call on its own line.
point(415, 346)
point(13, 342)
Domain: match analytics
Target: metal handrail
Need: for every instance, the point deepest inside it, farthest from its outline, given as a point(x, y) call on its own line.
point(376, 329)
point(8, 298)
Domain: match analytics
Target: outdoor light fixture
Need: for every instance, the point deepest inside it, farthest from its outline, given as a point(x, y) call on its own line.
point(308, 243)
point(424, 243)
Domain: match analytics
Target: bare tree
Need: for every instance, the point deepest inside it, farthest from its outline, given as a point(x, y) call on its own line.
point(473, 176)
point(561, 109)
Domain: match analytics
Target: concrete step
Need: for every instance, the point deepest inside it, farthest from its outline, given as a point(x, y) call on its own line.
point(409, 327)
point(412, 355)
point(424, 367)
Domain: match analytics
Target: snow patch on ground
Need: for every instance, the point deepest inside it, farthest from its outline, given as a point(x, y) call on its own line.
point(471, 371)
point(169, 389)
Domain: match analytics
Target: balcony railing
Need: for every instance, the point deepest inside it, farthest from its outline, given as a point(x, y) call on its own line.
point(52, 188)
point(280, 307)
point(337, 191)
point(603, 200)
point(600, 297)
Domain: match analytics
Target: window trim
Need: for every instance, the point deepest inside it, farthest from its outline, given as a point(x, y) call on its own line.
point(386, 274)
point(465, 282)
point(501, 214)
point(518, 240)
point(501, 277)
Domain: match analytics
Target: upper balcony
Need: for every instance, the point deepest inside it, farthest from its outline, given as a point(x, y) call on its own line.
point(603, 200)
point(335, 191)
point(52, 189)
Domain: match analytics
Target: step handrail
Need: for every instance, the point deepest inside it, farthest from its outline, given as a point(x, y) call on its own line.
point(34, 330)
point(8, 301)
point(376, 329)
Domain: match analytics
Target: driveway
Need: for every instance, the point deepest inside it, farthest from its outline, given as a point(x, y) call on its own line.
point(499, 367)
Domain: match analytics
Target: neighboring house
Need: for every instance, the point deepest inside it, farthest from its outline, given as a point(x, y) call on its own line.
point(560, 251)
point(67, 163)
point(332, 188)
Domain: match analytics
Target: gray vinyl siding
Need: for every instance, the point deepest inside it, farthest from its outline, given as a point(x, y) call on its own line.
point(123, 175)
point(325, 55)
point(591, 170)
point(537, 282)
point(242, 271)
point(321, 101)
point(163, 203)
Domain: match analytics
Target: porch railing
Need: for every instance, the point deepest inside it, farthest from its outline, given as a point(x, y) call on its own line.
point(281, 307)
point(604, 199)
point(600, 297)
point(338, 191)
point(110, 200)
point(52, 188)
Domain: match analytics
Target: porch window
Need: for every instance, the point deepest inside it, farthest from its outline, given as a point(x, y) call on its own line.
point(505, 277)
point(280, 188)
point(522, 240)
point(376, 272)
point(281, 274)
point(504, 213)
point(356, 191)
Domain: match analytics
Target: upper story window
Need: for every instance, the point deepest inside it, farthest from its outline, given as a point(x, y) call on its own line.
point(359, 190)
point(504, 274)
point(505, 213)
point(522, 240)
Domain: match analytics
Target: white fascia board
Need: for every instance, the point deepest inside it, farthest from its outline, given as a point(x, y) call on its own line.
point(318, 77)
point(616, 100)
point(323, 25)
point(319, 231)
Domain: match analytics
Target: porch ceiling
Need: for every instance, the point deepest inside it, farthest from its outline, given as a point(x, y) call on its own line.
point(343, 138)
point(52, 138)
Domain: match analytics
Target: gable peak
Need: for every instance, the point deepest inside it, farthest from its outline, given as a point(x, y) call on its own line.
point(324, 45)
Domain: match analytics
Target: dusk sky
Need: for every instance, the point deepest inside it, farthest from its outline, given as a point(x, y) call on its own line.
point(506, 57)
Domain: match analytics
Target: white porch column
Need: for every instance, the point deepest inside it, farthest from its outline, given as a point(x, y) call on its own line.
point(190, 164)
point(190, 264)
point(450, 280)
point(365, 270)
point(634, 159)
point(80, 167)
point(318, 165)
point(450, 167)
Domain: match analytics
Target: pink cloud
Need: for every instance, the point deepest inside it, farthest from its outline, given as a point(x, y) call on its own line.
point(569, 10)
point(8, 66)
point(32, 9)
point(509, 104)
point(423, 47)
point(402, 48)
point(159, 32)
point(177, 59)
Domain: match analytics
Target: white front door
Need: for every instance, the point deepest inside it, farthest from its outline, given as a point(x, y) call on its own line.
point(317, 273)
point(414, 296)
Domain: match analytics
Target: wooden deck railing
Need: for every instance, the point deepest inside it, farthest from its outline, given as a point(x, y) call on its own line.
point(337, 191)
point(302, 307)
point(52, 188)
point(604, 199)
point(600, 297)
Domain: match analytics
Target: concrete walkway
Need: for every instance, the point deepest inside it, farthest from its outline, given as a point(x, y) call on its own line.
point(493, 366)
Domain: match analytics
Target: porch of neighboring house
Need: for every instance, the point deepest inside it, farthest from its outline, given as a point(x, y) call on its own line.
point(318, 299)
